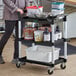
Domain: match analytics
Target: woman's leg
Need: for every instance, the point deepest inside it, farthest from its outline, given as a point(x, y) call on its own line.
point(9, 25)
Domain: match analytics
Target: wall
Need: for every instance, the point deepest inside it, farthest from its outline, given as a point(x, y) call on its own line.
point(46, 5)
point(71, 3)
point(71, 0)
point(1, 14)
point(1, 9)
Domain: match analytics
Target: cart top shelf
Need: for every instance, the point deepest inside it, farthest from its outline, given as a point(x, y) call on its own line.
point(43, 20)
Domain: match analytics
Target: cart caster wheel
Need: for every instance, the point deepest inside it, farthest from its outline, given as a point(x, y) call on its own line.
point(63, 66)
point(50, 72)
point(23, 63)
point(18, 65)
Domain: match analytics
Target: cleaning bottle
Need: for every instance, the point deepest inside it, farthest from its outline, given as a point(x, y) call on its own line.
point(57, 29)
point(46, 35)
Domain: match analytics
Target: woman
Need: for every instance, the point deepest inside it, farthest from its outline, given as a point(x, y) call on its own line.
point(11, 8)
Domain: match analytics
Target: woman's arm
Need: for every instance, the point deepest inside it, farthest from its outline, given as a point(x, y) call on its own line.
point(11, 6)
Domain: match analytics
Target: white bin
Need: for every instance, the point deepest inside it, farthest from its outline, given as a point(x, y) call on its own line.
point(41, 53)
point(33, 10)
point(57, 12)
point(58, 5)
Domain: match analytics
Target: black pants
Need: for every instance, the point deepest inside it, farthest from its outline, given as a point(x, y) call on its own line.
point(9, 26)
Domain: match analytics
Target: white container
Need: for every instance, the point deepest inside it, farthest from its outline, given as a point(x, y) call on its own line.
point(57, 12)
point(38, 36)
point(42, 53)
point(58, 35)
point(47, 37)
point(58, 5)
point(33, 10)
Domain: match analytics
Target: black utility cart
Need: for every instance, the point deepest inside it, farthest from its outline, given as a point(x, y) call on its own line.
point(52, 20)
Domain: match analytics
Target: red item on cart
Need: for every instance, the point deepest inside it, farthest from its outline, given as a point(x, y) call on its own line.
point(29, 33)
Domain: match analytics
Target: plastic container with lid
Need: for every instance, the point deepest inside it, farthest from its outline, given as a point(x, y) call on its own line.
point(42, 53)
point(33, 10)
point(58, 5)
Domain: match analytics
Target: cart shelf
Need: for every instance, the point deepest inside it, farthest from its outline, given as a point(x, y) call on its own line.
point(60, 60)
point(29, 42)
point(44, 20)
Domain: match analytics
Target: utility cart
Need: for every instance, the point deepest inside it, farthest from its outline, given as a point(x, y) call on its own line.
point(52, 20)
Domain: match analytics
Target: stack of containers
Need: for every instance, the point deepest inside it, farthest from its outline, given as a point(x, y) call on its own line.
point(57, 8)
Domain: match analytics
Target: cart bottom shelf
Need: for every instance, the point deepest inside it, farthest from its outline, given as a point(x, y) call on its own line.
point(51, 66)
point(60, 60)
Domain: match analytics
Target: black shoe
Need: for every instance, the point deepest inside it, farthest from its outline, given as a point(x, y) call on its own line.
point(1, 60)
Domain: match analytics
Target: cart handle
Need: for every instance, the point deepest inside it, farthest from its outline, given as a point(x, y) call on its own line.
point(20, 16)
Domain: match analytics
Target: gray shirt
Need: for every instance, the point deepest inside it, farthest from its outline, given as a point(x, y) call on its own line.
point(10, 7)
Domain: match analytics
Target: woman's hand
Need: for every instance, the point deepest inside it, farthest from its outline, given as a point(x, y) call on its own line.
point(20, 11)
